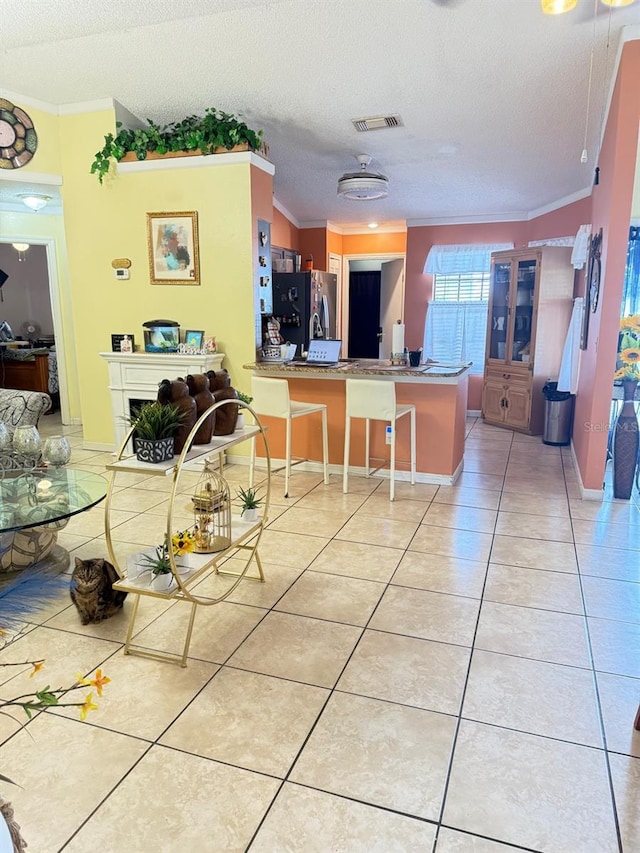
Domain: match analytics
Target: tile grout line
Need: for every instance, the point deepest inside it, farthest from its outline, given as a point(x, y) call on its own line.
point(454, 741)
point(596, 690)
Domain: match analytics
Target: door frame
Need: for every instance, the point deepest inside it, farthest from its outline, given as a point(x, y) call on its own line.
point(56, 313)
point(369, 256)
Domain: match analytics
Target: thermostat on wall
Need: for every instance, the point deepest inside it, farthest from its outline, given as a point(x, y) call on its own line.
point(121, 267)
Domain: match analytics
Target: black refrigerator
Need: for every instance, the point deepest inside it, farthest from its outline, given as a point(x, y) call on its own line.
point(305, 304)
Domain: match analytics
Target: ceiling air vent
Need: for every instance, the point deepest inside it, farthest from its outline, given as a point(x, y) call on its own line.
point(377, 122)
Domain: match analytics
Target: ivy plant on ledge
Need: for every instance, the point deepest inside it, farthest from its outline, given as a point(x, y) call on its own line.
point(213, 133)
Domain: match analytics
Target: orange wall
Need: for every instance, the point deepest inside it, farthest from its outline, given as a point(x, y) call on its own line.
point(374, 244)
point(611, 210)
point(440, 413)
point(283, 232)
point(313, 241)
point(563, 222)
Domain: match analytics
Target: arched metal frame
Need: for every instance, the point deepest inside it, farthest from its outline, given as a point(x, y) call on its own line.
point(248, 541)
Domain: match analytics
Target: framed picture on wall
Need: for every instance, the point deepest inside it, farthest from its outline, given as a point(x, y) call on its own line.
point(172, 240)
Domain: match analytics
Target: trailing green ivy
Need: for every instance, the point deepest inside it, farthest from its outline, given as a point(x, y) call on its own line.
point(216, 129)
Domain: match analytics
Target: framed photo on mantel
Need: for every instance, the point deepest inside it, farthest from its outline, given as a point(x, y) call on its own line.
point(116, 340)
point(172, 240)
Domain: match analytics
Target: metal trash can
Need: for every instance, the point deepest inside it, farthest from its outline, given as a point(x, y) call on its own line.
point(558, 415)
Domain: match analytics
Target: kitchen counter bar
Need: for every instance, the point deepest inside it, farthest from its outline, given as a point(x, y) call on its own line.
point(438, 391)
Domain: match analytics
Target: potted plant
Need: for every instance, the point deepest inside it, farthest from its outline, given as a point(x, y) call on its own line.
point(214, 133)
point(158, 562)
point(247, 400)
point(155, 425)
point(250, 502)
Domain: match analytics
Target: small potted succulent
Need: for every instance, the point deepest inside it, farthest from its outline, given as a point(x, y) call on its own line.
point(159, 562)
point(155, 428)
point(250, 502)
point(244, 398)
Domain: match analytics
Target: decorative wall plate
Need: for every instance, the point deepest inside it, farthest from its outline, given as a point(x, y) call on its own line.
point(18, 138)
point(594, 270)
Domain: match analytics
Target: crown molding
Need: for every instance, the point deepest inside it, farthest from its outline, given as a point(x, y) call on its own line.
point(25, 100)
point(561, 202)
point(286, 213)
point(197, 162)
point(469, 220)
point(58, 109)
point(86, 107)
point(317, 223)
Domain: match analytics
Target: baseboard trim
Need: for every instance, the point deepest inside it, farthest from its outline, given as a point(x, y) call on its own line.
point(354, 470)
point(585, 494)
point(98, 445)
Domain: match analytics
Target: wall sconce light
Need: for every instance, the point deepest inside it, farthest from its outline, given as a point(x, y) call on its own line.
point(35, 201)
point(20, 248)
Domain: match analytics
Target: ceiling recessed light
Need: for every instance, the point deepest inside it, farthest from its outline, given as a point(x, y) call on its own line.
point(373, 225)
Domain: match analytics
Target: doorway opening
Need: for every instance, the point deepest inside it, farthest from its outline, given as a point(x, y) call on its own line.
point(375, 301)
point(29, 305)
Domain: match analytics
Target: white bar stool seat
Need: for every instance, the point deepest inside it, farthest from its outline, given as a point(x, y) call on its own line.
point(271, 398)
point(376, 400)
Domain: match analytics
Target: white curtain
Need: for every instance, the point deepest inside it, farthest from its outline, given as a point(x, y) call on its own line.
point(455, 332)
point(553, 241)
point(459, 259)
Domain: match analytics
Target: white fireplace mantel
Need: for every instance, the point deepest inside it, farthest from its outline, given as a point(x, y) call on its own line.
point(136, 376)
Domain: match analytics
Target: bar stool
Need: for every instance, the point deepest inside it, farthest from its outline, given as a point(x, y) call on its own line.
point(271, 397)
point(376, 400)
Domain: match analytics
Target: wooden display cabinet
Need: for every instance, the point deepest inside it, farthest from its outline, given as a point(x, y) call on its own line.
point(530, 307)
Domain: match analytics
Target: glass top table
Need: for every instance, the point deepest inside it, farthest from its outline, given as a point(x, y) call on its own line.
point(43, 495)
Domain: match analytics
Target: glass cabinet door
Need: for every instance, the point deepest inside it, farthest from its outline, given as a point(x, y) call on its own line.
point(500, 310)
point(522, 310)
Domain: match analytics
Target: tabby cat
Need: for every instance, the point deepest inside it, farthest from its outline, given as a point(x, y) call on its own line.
point(92, 591)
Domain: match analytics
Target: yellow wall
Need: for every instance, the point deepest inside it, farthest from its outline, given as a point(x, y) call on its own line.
point(109, 221)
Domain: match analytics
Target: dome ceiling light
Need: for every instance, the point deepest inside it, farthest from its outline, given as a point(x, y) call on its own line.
point(35, 201)
point(363, 185)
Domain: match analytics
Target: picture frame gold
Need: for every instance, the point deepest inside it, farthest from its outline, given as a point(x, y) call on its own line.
point(172, 241)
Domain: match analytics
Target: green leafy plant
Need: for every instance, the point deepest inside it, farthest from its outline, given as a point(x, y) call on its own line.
point(249, 498)
point(159, 563)
point(216, 129)
point(245, 398)
point(156, 420)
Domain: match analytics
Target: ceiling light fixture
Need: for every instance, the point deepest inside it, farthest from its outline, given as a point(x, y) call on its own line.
point(20, 248)
point(559, 7)
point(35, 201)
point(363, 185)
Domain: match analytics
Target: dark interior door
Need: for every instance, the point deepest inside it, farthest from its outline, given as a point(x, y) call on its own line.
point(364, 314)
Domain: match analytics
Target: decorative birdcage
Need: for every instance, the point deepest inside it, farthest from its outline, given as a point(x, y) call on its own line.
point(212, 511)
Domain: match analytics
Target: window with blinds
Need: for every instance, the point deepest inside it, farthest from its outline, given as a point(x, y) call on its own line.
point(467, 287)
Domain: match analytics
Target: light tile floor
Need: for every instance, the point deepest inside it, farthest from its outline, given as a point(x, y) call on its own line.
point(457, 672)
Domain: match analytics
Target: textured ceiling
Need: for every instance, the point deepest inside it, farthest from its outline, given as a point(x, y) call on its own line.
point(492, 92)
